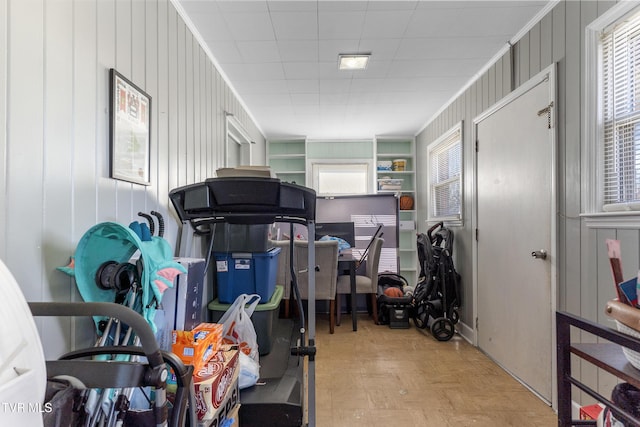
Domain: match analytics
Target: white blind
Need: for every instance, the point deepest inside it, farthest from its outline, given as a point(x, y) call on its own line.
point(445, 177)
point(621, 111)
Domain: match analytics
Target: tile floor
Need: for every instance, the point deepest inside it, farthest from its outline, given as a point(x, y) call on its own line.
point(381, 377)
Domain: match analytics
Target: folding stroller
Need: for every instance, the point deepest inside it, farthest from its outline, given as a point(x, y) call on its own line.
point(121, 273)
point(436, 298)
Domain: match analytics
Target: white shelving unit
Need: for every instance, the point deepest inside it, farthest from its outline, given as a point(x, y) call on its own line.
point(287, 158)
point(387, 150)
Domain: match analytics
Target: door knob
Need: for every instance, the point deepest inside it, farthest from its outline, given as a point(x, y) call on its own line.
point(541, 254)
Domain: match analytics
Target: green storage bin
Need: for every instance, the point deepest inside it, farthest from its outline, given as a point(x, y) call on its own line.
point(263, 318)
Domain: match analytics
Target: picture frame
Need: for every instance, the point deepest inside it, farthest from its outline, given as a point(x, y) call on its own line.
point(130, 130)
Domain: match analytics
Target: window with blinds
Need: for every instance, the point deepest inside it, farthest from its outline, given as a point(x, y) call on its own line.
point(445, 176)
point(620, 83)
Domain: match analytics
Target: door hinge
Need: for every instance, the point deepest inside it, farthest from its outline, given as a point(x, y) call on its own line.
point(547, 110)
point(476, 234)
point(477, 143)
point(476, 323)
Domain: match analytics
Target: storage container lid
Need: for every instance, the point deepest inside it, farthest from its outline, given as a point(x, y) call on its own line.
point(270, 305)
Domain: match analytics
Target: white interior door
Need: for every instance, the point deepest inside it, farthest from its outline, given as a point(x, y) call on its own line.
point(515, 211)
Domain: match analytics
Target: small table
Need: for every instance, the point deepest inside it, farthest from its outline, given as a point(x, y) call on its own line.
point(347, 261)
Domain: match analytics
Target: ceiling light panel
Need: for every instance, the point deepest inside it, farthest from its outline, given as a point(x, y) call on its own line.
point(353, 62)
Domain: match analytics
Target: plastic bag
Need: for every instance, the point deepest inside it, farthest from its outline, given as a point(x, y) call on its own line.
point(238, 329)
point(249, 372)
point(237, 326)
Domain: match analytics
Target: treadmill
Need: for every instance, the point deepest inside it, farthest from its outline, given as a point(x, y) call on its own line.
point(285, 393)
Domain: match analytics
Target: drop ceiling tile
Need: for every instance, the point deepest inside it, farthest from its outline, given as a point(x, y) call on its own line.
point(334, 86)
point(303, 86)
point(343, 25)
point(342, 6)
point(386, 24)
point(363, 99)
point(262, 86)
point(258, 71)
point(292, 6)
point(330, 49)
point(435, 67)
point(392, 5)
point(300, 70)
point(298, 50)
point(368, 85)
point(449, 47)
point(295, 25)
point(310, 109)
point(388, 97)
point(250, 26)
point(381, 49)
point(305, 99)
point(476, 21)
point(332, 98)
point(196, 7)
point(241, 6)
point(273, 100)
point(330, 71)
point(375, 69)
point(259, 51)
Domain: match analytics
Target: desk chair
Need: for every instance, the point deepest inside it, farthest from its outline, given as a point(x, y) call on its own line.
point(326, 272)
point(365, 284)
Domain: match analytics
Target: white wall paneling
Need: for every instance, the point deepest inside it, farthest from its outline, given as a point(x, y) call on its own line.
point(54, 135)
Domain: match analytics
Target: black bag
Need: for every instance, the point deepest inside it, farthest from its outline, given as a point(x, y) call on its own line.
point(627, 397)
point(61, 404)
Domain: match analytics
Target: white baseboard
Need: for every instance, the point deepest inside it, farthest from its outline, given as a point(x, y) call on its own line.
point(466, 332)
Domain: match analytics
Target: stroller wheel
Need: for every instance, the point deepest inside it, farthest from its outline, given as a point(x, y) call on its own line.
point(420, 316)
point(442, 329)
point(454, 315)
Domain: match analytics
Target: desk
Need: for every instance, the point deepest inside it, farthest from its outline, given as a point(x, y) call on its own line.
point(346, 261)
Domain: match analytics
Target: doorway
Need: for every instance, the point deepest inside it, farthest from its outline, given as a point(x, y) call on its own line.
point(515, 233)
point(237, 144)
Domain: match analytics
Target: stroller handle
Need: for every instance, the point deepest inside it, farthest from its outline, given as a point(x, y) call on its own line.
point(433, 228)
point(125, 314)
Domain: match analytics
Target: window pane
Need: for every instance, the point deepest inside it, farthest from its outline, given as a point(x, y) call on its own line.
point(621, 112)
point(445, 161)
point(341, 178)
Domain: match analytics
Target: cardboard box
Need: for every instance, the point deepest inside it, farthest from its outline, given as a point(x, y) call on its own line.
point(198, 346)
point(183, 304)
point(590, 412)
point(233, 416)
point(216, 387)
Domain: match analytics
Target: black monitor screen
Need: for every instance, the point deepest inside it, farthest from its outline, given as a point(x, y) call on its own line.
point(343, 230)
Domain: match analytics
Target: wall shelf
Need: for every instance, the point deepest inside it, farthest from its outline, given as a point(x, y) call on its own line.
point(287, 159)
point(388, 149)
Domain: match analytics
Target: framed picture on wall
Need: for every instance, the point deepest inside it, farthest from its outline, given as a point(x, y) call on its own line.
point(130, 130)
